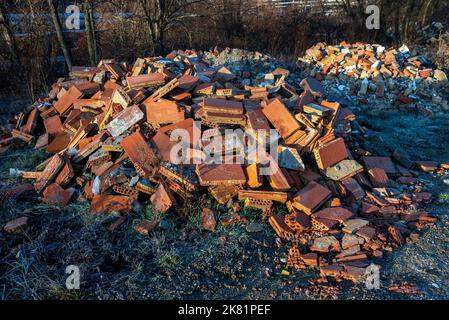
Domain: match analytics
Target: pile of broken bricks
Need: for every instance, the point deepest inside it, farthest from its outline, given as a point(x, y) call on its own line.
point(378, 77)
point(108, 130)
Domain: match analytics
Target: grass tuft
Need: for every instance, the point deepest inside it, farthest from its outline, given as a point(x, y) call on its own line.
point(168, 260)
point(443, 198)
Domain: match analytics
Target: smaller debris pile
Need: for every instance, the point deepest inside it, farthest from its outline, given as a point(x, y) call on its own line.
point(378, 77)
point(432, 33)
point(405, 288)
point(110, 132)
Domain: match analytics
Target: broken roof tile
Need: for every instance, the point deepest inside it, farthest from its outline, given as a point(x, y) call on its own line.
point(384, 163)
point(56, 195)
point(331, 153)
point(140, 154)
point(336, 213)
point(223, 106)
point(314, 86)
point(53, 125)
point(63, 105)
point(164, 112)
point(343, 170)
point(16, 225)
point(311, 197)
point(50, 172)
point(325, 244)
point(378, 177)
point(220, 174)
point(146, 80)
point(106, 204)
point(282, 120)
point(162, 200)
point(208, 219)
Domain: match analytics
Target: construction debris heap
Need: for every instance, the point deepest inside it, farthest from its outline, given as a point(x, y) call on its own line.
point(108, 128)
point(378, 77)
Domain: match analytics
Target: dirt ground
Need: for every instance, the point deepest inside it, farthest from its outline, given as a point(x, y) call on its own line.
point(179, 260)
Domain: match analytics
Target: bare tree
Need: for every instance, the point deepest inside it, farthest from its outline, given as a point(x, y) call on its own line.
point(160, 15)
point(7, 34)
point(354, 9)
point(427, 7)
point(88, 8)
point(59, 34)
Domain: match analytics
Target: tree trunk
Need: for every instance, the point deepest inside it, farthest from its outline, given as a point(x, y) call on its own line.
point(406, 30)
point(407, 21)
point(90, 32)
point(158, 38)
point(425, 13)
point(159, 43)
point(158, 29)
point(94, 33)
point(156, 34)
point(60, 34)
point(397, 18)
point(6, 32)
point(150, 34)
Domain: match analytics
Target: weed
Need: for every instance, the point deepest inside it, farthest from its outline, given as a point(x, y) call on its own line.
point(194, 220)
point(23, 159)
point(168, 260)
point(157, 242)
point(443, 198)
point(149, 213)
point(60, 292)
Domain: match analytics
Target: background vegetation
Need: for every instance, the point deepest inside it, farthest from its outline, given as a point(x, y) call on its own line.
point(35, 48)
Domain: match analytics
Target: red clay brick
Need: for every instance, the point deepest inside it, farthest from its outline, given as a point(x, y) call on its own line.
point(331, 153)
point(63, 105)
point(311, 197)
point(140, 154)
point(281, 118)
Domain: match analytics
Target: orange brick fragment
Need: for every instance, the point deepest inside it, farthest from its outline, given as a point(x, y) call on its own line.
point(145, 227)
point(56, 195)
point(331, 153)
point(66, 101)
point(105, 204)
point(162, 200)
point(16, 225)
point(164, 111)
point(311, 197)
point(378, 177)
point(283, 120)
point(140, 154)
point(208, 219)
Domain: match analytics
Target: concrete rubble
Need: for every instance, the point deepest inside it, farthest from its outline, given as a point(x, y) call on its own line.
point(376, 77)
point(109, 140)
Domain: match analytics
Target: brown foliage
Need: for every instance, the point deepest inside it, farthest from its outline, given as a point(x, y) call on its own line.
point(129, 29)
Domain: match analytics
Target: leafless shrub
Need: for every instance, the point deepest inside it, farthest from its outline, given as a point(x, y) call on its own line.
point(129, 29)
